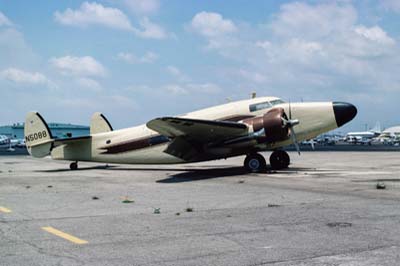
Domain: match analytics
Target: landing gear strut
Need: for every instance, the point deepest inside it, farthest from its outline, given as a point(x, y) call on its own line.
point(73, 166)
point(255, 163)
point(279, 160)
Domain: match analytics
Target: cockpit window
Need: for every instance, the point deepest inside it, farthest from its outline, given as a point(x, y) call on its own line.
point(259, 106)
point(264, 105)
point(277, 101)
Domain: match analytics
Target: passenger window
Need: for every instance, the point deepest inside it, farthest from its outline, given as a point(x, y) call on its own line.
point(259, 106)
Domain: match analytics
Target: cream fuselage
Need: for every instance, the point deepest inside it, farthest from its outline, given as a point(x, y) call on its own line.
point(314, 117)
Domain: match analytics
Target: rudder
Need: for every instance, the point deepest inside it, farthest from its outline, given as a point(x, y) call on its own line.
point(38, 138)
point(99, 124)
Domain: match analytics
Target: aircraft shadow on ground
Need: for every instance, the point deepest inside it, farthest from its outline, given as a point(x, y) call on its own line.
point(202, 174)
point(188, 175)
point(194, 172)
point(66, 169)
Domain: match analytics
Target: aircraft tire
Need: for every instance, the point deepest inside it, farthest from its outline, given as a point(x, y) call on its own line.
point(73, 166)
point(255, 163)
point(279, 160)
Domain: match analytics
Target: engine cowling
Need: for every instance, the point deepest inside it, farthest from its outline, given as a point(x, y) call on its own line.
point(273, 125)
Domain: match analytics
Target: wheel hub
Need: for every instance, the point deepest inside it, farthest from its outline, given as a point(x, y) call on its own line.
point(254, 164)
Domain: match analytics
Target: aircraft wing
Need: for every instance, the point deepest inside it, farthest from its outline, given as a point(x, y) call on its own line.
point(191, 137)
point(203, 131)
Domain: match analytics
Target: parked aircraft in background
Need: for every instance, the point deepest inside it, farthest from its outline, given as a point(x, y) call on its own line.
point(244, 127)
point(390, 136)
point(6, 142)
point(364, 137)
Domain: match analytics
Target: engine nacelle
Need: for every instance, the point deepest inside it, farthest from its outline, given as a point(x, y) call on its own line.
point(273, 125)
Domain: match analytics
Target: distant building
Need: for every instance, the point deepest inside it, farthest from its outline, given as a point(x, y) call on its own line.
point(58, 130)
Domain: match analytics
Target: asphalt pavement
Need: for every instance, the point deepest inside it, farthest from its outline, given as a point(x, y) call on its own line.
point(324, 210)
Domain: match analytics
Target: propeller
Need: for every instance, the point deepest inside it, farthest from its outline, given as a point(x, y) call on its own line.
point(290, 123)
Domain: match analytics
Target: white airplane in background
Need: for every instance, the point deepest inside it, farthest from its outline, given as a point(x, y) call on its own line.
point(244, 127)
point(364, 136)
point(6, 142)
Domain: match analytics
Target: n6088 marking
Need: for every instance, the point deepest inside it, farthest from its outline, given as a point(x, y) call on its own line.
point(36, 136)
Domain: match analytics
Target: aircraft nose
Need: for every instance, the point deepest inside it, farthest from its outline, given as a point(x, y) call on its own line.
point(344, 112)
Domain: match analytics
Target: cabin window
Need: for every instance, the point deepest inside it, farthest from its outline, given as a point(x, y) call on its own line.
point(108, 141)
point(259, 106)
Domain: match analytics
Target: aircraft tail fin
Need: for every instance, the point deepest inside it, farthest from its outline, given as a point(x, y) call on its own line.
point(377, 128)
point(99, 124)
point(38, 138)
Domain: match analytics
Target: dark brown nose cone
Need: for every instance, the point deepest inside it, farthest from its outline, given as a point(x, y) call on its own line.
point(344, 112)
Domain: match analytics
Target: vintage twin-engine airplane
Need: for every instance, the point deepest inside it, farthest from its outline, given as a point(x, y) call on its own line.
point(238, 128)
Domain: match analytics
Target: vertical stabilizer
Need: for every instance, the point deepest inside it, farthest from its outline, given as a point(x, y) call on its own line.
point(38, 137)
point(99, 124)
point(377, 128)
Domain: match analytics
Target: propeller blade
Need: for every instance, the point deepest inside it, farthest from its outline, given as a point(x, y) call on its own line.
point(312, 145)
point(294, 140)
point(291, 123)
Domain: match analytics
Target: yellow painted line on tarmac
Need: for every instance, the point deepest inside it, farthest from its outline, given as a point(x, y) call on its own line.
point(66, 236)
point(3, 209)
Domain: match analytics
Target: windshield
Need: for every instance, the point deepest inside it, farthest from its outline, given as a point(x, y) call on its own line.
point(259, 106)
point(264, 105)
point(277, 101)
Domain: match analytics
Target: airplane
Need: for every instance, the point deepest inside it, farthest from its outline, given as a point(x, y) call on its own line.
point(245, 127)
point(364, 137)
point(6, 142)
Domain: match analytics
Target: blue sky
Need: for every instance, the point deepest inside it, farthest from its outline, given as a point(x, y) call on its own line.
point(135, 60)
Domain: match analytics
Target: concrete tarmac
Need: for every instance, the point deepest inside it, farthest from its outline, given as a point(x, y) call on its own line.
point(324, 210)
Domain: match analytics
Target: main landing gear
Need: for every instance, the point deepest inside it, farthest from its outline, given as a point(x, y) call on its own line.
point(255, 162)
point(279, 160)
point(73, 166)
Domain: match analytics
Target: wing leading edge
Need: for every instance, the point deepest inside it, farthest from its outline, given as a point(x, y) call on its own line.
point(201, 130)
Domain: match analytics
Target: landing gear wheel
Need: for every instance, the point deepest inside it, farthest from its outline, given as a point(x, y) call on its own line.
point(279, 160)
point(255, 163)
point(74, 166)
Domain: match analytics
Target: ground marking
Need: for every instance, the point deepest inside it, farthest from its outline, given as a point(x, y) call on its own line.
point(64, 235)
point(2, 209)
